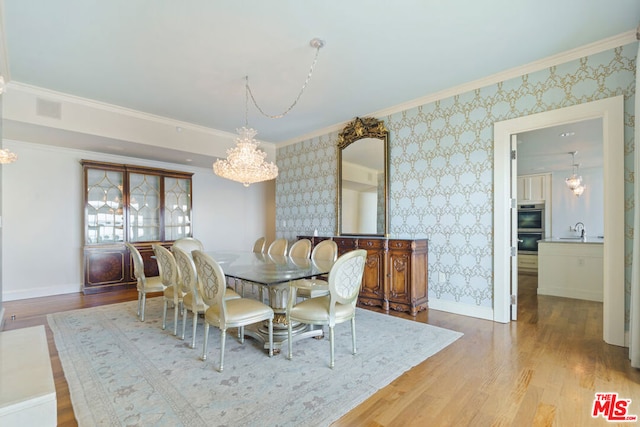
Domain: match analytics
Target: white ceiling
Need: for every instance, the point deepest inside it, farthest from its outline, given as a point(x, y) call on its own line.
point(547, 150)
point(186, 60)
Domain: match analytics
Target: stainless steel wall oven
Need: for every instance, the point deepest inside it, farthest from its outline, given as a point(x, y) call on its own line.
point(530, 227)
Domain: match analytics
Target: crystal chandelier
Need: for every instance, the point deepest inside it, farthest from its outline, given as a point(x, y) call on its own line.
point(245, 162)
point(7, 156)
point(574, 181)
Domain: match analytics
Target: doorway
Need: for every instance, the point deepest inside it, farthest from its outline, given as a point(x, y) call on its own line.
point(611, 111)
point(547, 207)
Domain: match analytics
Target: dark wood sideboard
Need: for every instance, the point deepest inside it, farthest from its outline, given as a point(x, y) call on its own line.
point(396, 272)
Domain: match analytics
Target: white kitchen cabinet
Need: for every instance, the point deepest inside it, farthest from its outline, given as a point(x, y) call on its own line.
point(571, 270)
point(534, 188)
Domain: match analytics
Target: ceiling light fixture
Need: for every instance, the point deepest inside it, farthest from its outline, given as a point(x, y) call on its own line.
point(6, 156)
point(245, 162)
point(574, 182)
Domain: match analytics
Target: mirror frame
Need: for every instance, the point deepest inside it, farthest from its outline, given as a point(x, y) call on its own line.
point(361, 128)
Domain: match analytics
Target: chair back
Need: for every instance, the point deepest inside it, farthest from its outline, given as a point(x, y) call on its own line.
point(327, 250)
point(188, 277)
point(211, 281)
point(278, 247)
point(345, 277)
point(258, 246)
point(138, 265)
point(300, 249)
point(189, 244)
point(167, 268)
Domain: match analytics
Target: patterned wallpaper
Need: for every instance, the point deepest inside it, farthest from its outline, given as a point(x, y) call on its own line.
point(441, 168)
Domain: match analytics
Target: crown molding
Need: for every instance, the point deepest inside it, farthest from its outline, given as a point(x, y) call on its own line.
point(561, 58)
point(103, 106)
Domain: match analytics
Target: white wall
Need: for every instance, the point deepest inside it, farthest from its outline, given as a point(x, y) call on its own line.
point(42, 216)
point(567, 209)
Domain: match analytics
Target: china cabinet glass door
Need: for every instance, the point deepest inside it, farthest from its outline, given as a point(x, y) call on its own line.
point(104, 206)
point(177, 208)
point(144, 207)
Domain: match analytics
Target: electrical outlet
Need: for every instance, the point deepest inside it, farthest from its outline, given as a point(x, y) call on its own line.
point(442, 277)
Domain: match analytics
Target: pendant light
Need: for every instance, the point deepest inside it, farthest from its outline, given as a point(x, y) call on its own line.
point(574, 181)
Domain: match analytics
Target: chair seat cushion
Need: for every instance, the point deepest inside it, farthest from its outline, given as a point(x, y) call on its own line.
point(316, 310)
point(170, 291)
point(231, 294)
point(153, 284)
point(240, 311)
point(193, 304)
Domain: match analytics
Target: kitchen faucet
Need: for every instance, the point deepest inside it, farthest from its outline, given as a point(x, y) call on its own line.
point(582, 231)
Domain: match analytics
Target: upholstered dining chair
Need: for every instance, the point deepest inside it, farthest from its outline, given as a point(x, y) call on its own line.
point(192, 300)
point(325, 251)
point(278, 247)
point(188, 244)
point(173, 294)
point(223, 313)
point(300, 249)
point(339, 306)
point(258, 246)
point(144, 284)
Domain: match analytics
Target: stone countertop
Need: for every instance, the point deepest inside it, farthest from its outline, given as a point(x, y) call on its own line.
point(588, 239)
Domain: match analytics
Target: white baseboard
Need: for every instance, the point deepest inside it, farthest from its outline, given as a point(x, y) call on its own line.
point(461, 308)
point(572, 293)
point(40, 292)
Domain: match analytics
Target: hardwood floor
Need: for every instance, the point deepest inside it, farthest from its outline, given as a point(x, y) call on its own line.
point(543, 369)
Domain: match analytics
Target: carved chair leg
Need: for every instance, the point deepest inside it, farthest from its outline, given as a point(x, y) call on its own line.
point(184, 322)
point(144, 306)
point(223, 336)
point(206, 340)
point(353, 334)
point(195, 323)
point(164, 315)
point(332, 346)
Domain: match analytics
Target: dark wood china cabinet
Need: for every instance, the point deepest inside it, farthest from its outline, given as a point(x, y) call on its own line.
point(126, 203)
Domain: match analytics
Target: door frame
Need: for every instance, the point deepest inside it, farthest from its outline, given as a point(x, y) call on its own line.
point(611, 111)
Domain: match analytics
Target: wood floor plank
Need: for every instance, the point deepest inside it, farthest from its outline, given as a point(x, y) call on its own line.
point(542, 370)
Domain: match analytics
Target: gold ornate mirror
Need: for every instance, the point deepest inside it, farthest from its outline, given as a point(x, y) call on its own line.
point(363, 178)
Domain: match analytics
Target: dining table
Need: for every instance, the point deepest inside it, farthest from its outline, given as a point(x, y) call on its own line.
point(273, 273)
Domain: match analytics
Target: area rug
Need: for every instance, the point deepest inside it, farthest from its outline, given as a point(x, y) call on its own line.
point(124, 372)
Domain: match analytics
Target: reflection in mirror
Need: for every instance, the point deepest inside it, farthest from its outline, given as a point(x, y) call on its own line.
point(363, 178)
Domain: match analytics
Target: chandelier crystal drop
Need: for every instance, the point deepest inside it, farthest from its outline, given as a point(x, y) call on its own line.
point(245, 162)
point(7, 156)
point(578, 190)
